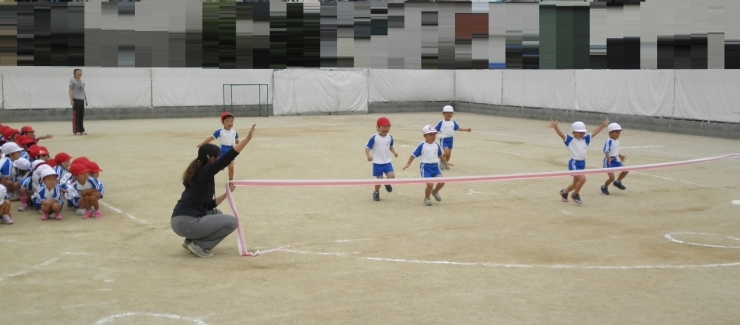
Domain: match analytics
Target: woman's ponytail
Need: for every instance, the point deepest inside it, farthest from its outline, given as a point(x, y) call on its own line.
point(205, 153)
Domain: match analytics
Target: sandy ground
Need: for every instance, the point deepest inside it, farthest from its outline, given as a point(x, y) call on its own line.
point(494, 252)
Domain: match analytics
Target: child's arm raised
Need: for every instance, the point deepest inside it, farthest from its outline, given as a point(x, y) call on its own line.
point(601, 127)
point(239, 146)
point(554, 125)
point(207, 140)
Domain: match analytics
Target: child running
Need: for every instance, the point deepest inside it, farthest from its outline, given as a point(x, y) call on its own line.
point(577, 145)
point(378, 151)
point(446, 129)
point(227, 136)
point(613, 159)
point(429, 152)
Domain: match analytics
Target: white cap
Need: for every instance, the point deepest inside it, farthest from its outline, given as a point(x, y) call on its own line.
point(10, 147)
point(448, 109)
point(47, 172)
point(36, 163)
point(578, 127)
point(428, 129)
point(614, 127)
point(22, 164)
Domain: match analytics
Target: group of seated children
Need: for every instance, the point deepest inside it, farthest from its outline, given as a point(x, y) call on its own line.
point(30, 175)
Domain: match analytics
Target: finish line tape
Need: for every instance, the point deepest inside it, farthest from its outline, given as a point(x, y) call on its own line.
point(241, 244)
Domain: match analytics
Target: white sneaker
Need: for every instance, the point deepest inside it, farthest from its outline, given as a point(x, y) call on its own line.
point(7, 220)
point(436, 196)
point(80, 212)
point(428, 202)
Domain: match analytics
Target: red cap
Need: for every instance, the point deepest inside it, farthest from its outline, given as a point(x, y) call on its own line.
point(26, 142)
point(51, 163)
point(61, 157)
point(43, 151)
point(78, 160)
point(27, 128)
point(383, 121)
point(4, 127)
point(19, 139)
point(93, 167)
point(77, 169)
point(224, 115)
point(9, 132)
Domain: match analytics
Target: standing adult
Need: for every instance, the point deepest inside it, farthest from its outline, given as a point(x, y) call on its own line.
point(78, 100)
point(195, 216)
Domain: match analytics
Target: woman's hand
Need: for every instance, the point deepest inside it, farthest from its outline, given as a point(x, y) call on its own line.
point(72, 102)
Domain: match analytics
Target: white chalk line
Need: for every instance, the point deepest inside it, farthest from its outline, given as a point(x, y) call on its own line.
point(673, 179)
point(37, 266)
point(673, 239)
point(157, 315)
point(128, 215)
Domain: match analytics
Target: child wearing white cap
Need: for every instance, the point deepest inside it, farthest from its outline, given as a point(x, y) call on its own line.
point(12, 152)
point(49, 199)
point(577, 145)
point(430, 153)
point(446, 129)
point(21, 169)
point(613, 159)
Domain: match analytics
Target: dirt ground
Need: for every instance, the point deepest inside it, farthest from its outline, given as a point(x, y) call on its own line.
point(664, 251)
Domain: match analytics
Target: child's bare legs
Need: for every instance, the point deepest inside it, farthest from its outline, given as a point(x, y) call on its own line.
point(438, 187)
point(428, 190)
point(610, 179)
point(8, 183)
point(577, 184)
point(92, 201)
point(447, 153)
point(5, 207)
point(231, 171)
point(622, 175)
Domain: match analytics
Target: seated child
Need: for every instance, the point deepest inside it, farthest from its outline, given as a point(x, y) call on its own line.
point(31, 133)
point(87, 191)
point(49, 197)
point(21, 169)
point(95, 173)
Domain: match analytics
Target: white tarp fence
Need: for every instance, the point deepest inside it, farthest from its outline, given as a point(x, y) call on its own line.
point(478, 86)
point(411, 85)
point(539, 88)
point(633, 92)
point(709, 95)
point(48, 87)
point(308, 91)
point(202, 87)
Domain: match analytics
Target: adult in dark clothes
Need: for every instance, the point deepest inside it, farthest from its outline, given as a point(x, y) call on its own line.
point(195, 216)
point(78, 100)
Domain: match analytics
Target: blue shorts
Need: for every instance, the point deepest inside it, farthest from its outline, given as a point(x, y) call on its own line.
point(445, 143)
point(615, 163)
point(224, 150)
point(429, 170)
point(576, 164)
point(74, 203)
point(380, 169)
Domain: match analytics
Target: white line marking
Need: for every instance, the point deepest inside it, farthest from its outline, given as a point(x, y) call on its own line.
point(349, 240)
point(128, 215)
point(156, 315)
point(736, 202)
point(674, 180)
point(321, 253)
point(89, 305)
point(566, 212)
point(516, 154)
point(42, 264)
point(671, 238)
point(641, 147)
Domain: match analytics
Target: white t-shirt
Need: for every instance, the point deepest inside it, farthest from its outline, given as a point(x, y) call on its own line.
point(226, 137)
point(428, 153)
point(577, 148)
point(380, 148)
point(446, 129)
point(612, 147)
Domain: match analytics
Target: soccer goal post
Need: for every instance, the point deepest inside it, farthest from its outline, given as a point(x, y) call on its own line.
point(246, 97)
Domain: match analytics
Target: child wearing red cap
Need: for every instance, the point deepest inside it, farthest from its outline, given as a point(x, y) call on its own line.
point(95, 173)
point(227, 136)
point(88, 191)
point(31, 133)
point(9, 134)
point(62, 162)
point(378, 151)
point(49, 198)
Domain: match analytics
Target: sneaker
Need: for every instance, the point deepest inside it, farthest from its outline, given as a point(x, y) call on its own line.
point(59, 216)
point(84, 133)
point(428, 202)
point(436, 196)
point(45, 216)
point(98, 214)
point(376, 196)
point(388, 188)
point(619, 185)
point(78, 133)
point(564, 195)
point(23, 207)
point(604, 190)
point(15, 198)
point(185, 244)
point(447, 167)
point(87, 214)
point(200, 252)
point(576, 198)
point(6, 219)
point(80, 212)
